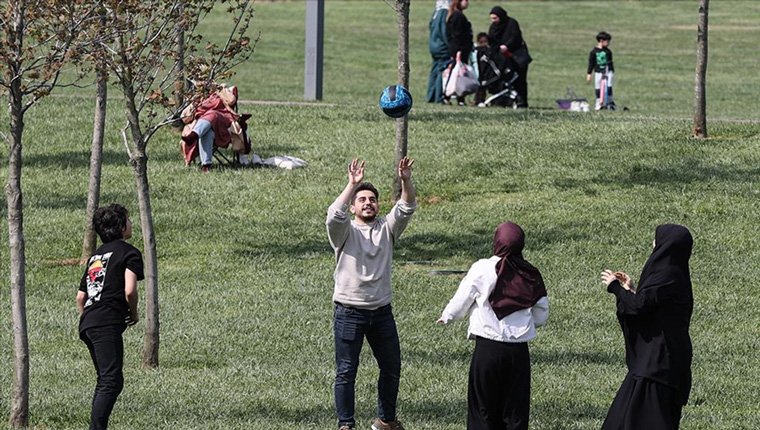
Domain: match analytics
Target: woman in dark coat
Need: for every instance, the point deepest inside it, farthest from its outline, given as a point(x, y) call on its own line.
point(505, 34)
point(655, 320)
point(459, 33)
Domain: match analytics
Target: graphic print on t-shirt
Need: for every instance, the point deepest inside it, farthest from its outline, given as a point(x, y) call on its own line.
point(96, 275)
point(601, 60)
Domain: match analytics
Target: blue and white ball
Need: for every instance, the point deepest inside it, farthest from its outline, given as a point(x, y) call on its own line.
point(395, 101)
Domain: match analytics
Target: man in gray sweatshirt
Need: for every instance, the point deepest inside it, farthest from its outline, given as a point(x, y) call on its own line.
point(364, 253)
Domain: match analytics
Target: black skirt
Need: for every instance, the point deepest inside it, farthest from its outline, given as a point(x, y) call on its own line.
point(641, 403)
point(498, 393)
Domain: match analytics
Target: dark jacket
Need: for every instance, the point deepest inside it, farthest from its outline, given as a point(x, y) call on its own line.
point(506, 31)
point(459, 35)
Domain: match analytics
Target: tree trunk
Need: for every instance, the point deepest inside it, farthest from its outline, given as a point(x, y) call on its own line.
point(96, 164)
point(19, 413)
point(151, 339)
point(700, 97)
point(402, 124)
point(139, 161)
point(14, 199)
point(179, 66)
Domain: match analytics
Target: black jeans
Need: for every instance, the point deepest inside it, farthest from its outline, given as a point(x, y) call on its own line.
point(107, 351)
point(351, 325)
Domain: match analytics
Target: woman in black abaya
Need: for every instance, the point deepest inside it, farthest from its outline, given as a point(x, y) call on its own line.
point(655, 320)
point(505, 34)
point(458, 36)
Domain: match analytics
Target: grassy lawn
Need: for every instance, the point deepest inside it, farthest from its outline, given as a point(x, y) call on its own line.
point(245, 270)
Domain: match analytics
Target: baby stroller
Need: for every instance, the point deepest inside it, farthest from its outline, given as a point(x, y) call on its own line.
point(496, 78)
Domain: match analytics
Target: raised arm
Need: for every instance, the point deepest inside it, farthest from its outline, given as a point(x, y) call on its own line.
point(338, 220)
point(355, 177)
point(408, 192)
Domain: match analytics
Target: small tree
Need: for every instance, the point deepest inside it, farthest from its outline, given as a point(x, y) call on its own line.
point(37, 40)
point(96, 148)
point(700, 97)
point(140, 44)
point(402, 124)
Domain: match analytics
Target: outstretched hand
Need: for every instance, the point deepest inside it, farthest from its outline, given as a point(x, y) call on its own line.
point(355, 171)
point(405, 168)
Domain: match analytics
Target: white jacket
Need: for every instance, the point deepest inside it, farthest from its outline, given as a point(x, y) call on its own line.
point(472, 298)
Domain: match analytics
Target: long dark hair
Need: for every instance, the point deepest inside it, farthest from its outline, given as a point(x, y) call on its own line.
point(453, 7)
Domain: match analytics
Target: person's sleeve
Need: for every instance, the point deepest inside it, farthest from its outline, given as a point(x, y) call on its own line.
point(338, 223)
point(540, 311)
point(464, 299)
point(640, 303)
point(399, 217)
point(591, 62)
point(83, 281)
point(514, 40)
point(612, 66)
point(135, 264)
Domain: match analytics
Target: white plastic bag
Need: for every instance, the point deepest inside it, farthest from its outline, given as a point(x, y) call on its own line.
point(460, 80)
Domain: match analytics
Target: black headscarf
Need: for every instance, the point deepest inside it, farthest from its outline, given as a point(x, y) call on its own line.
point(497, 29)
point(519, 285)
point(669, 261)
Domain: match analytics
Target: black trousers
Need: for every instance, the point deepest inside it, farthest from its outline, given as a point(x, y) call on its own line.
point(107, 351)
point(644, 404)
point(521, 83)
point(498, 393)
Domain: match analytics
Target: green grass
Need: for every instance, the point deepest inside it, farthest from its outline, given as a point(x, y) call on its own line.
point(245, 269)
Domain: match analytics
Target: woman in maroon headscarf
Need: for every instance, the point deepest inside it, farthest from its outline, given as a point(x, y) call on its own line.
point(655, 319)
point(506, 299)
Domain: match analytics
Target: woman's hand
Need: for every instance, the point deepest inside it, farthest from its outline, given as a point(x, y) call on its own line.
point(608, 276)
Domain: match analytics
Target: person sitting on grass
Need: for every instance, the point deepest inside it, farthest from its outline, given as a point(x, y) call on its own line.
point(107, 304)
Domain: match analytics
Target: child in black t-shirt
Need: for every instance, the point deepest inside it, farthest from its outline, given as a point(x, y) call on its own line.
point(107, 303)
point(600, 62)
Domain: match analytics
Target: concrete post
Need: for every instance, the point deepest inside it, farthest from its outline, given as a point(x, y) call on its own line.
point(315, 25)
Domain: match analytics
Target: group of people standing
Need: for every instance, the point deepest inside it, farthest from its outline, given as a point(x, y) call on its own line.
point(451, 36)
point(506, 299)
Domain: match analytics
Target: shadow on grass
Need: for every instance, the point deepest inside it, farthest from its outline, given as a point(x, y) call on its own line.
point(81, 159)
point(77, 202)
point(688, 171)
point(462, 115)
point(413, 247)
